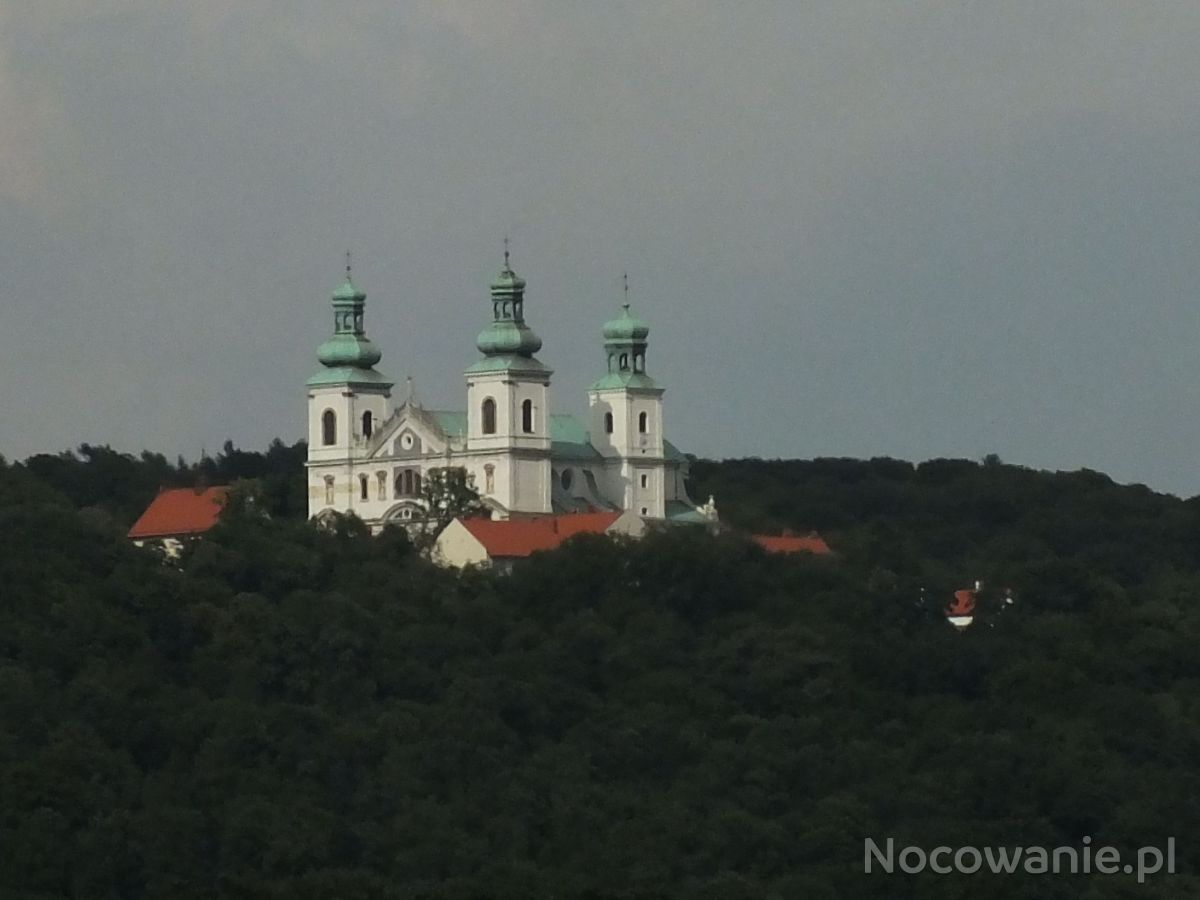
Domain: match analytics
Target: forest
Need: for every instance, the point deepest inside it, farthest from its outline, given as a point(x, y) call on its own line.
point(296, 712)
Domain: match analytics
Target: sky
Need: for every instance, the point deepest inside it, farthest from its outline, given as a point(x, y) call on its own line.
point(907, 229)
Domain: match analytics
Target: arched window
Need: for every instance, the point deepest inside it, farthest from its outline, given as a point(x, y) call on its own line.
point(645, 481)
point(639, 362)
point(364, 488)
point(489, 478)
point(489, 416)
point(527, 417)
point(368, 424)
point(608, 423)
point(417, 483)
point(382, 476)
point(329, 490)
point(624, 361)
point(566, 479)
point(408, 482)
point(329, 428)
point(643, 422)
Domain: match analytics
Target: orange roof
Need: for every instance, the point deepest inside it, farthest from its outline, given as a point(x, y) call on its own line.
point(180, 511)
point(786, 543)
point(963, 603)
point(523, 536)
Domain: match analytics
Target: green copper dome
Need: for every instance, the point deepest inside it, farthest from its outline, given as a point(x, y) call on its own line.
point(625, 346)
point(508, 281)
point(626, 327)
point(348, 349)
point(505, 338)
point(507, 334)
point(347, 291)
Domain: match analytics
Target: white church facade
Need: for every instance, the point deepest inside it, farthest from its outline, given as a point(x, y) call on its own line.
point(370, 456)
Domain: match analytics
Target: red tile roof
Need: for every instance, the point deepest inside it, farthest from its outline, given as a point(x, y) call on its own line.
point(786, 543)
point(180, 511)
point(963, 603)
point(520, 537)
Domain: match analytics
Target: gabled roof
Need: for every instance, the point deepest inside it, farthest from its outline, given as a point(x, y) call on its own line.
point(180, 511)
point(427, 423)
point(451, 421)
point(520, 537)
point(787, 543)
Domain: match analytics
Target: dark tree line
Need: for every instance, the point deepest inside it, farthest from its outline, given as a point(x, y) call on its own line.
point(123, 485)
point(295, 712)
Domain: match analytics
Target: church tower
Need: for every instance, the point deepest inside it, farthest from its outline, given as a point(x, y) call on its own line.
point(508, 405)
point(627, 421)
point(347, 400)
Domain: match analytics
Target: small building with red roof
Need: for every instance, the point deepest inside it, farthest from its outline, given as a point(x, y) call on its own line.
point(483, 541)
point(789, 543)
point(178, 514)
point(960, 612)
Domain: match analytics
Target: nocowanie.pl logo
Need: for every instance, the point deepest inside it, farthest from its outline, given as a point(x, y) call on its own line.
point(1084, 859)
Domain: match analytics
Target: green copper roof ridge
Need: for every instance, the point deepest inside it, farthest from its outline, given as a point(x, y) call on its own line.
point(333, 375)
point(505, 362)
point(617, 381)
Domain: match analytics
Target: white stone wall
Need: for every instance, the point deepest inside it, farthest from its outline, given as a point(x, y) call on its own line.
point(521, 469)
point(646, 489)
point(456, 546)
point(509, 393)
point(340, 460)
point(626, 407)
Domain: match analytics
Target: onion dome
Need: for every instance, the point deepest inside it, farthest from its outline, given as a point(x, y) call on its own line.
point(625, 348)
point(348, 350)
point(508, 281)
point(347, 291)
point(508, 335)
point(626, 327)
point(508, 338)
point(349, 345)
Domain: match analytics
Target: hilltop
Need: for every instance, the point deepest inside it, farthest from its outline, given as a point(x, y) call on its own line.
point(308, 714)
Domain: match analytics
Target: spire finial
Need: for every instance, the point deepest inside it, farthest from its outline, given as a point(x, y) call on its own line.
point(347, 265)
point(625, 288)
point(506, 252)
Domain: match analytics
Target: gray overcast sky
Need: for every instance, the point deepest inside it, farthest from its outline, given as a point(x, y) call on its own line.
point(913, 229)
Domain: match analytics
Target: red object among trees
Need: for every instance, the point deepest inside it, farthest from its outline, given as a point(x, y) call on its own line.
point(520, 537)
point(963, 603)
point(179, 512)
point(788, 543)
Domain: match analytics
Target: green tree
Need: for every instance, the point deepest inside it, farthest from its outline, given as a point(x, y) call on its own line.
point(448, 493)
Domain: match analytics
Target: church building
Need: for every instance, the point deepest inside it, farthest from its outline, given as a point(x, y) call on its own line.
point(370, 456)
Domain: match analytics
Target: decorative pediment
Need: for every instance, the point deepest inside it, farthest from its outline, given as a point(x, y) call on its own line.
point(409, 432)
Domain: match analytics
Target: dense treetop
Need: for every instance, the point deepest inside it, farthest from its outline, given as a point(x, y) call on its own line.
point(302, 713)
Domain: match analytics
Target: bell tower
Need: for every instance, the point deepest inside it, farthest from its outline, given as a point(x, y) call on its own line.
point(508, 403)
point(347, 400)
point(627, 417)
